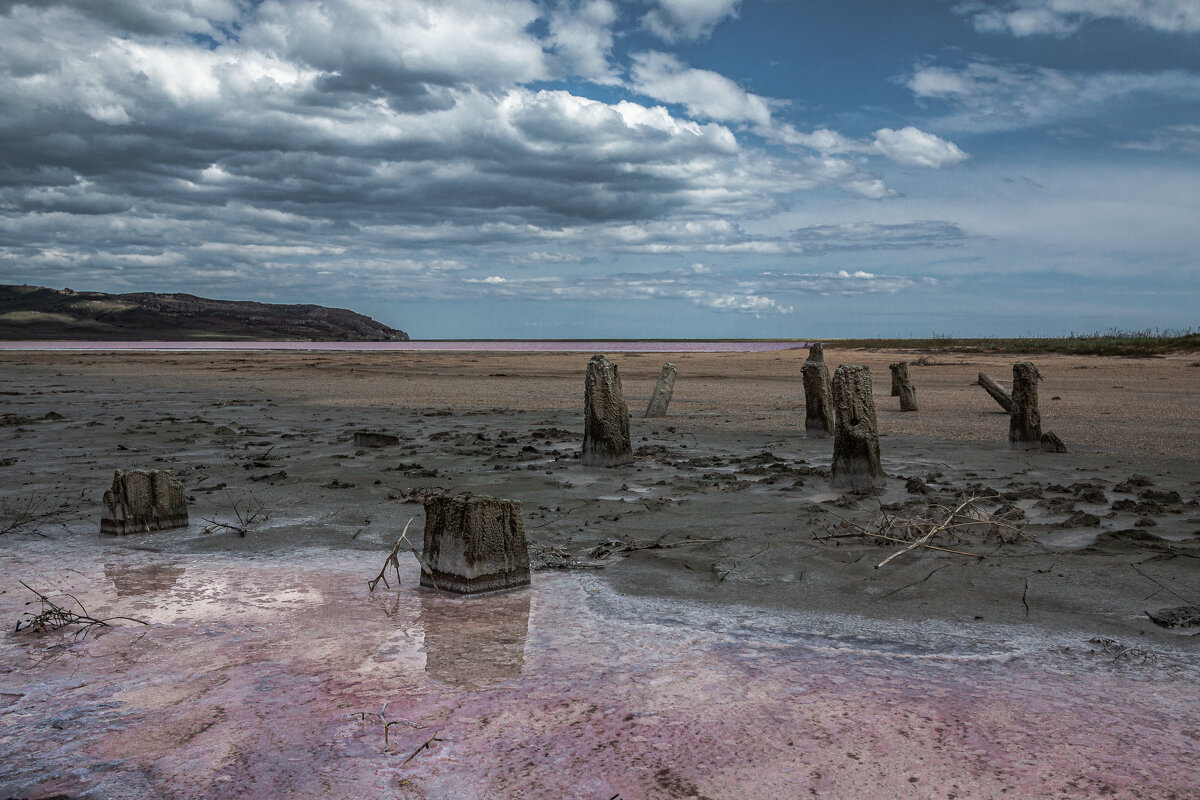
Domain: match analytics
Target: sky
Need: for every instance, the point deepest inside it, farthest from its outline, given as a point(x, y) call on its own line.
point(615, 168)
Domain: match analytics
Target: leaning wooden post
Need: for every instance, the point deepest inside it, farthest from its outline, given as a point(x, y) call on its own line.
point(818, 395)
point(605, 416)
point(856, 441)
point(998, 392)
point(1025, 423)
point(903, 383)
point(662, 392)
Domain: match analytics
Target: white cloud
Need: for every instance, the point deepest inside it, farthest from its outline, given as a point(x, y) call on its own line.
point(702, 92)
point(581, 36)
point(1064, 17)
point(912, 146)
point(675, 20)
point(992, 97)
point(1181, 138)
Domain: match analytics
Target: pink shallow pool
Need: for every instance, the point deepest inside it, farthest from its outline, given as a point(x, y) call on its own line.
point(539, 345)
point(282, 677)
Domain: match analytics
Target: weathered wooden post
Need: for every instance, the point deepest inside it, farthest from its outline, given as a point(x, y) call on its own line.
point(856, 441)
point(141, 501)
point(605, 416)
point(473, 543)
point(663, 390)
point(1025, 423)
point(998, 392)
point(818, 396)
point(902, 386)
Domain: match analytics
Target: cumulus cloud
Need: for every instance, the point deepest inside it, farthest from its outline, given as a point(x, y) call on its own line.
point(581, 36)
point(675, 20)
point(991, 96)
point(919, 148)
point(1064, 17)
point(702, 92)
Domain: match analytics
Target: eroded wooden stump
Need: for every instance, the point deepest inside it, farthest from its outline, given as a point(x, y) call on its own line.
point(818, 400)
point(141, 501)
point(902, 386)
point(1025, 422)
point(663, 390)
point(473, 544)
point(856, 463)
point(605, 416)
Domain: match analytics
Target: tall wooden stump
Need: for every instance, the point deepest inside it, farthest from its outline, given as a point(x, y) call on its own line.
point(998, 392)
point(818, 400)
point(856, 441)
point(902, 386)
point(605, 416)
point(1024, 421)
point(662, 392)
point(897, 369)
point(474, 543)
point(141, 501)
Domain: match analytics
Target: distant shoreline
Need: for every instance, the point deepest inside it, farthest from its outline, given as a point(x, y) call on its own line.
point(426, 345)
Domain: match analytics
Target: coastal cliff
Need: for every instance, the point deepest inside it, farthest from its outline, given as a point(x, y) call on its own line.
point(39, 313)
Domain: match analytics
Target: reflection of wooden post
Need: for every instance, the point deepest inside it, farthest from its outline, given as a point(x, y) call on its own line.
point(663, 390)
point(998, 392)
point(605, 416)
point(1024, 421)
point(856, 441)
point(141, 501)
point(473, 543)
point(903, 387)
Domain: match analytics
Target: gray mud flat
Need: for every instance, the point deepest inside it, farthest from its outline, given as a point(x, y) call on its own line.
point(683, 598)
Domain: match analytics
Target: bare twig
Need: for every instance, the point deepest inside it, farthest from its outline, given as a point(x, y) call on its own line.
point(395, 562)
point(428, 742)
point(53, 617)
point(253, 512)
point(32, 511)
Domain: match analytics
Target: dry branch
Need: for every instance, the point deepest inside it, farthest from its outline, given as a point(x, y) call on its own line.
point(394, 561)
point(52, 616)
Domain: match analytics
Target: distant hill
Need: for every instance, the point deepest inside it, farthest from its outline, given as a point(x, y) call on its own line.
point(35, 312)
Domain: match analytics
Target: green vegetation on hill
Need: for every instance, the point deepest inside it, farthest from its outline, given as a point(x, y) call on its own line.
point(1111, 343)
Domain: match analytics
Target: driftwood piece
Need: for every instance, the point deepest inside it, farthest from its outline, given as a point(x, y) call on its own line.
point(141, 501)
point(856, 463)
point(1025, 422)
point(663, 390)
point(375, 439)
point(474, 543)
point(606, 416)
point(998, 392)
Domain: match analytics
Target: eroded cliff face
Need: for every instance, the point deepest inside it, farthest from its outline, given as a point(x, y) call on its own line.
point(35, 312)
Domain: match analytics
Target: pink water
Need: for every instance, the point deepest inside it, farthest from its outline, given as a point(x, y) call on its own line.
point(276, 677)
point(526, 345)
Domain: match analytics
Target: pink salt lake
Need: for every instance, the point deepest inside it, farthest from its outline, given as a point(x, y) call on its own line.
point(283, 677)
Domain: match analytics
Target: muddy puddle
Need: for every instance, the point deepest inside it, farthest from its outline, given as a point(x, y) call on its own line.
point(284, 677)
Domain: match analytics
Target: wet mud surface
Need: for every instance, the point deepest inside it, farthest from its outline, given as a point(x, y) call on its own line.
point(759, 653)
